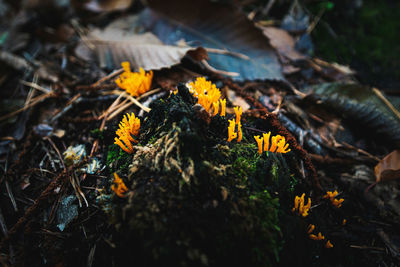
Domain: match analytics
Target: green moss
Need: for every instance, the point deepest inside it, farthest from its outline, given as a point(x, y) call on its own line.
point(225, 215)
point(292, 183)
point(96, 133)
point(244, 157)
point(118, 160)
point(267, 210)
point(274, 172)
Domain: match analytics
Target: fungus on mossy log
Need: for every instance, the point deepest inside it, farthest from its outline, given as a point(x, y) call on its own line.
point(196, 199)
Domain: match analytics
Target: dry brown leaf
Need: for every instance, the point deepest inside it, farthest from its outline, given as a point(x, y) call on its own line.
point(389, 167)
point(113, 46)
point(283, 43)
point(238, 101)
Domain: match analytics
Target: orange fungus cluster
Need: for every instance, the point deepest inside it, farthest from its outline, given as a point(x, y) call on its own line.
point(135, 83)
point(128, 127)
point(278, 143)
point(208, 96)
point(300, 206)
point(232, 134)
point(119, 186)
point(332, 197)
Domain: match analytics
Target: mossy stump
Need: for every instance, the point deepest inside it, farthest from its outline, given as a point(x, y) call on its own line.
point(196, 199)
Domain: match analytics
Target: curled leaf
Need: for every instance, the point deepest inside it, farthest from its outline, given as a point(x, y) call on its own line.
point(389, 167)
point(114, 45)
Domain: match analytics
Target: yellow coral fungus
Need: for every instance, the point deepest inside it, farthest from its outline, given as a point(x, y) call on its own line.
point(331, 196)
point(240, 133)
point(135, 83)
point(231, 130)
point(328, 244)
point(119, 186)
point(310, 228)
point(216, 107)
point(299, 205)
point(223, 105)
point(337, 202)
point(207, 95)
point(129, 126)
point(278, 143)
point(238, 113)
point(259, 141)
point(316, 237)
point(266, 140)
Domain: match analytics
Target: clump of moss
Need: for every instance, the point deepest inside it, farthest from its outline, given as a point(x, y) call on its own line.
point(194, 198)
point(118, 160)
point(97, 133)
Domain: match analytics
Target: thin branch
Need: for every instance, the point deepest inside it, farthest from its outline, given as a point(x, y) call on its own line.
point(226, 52)
point(386, 101)
point(34, 102)
point(222, 72)
point(35, 86)
point(108, 77)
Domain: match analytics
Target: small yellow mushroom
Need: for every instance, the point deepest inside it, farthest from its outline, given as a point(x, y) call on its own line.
point(238, 113)
point(259, 141)
point(328, 244)
point(337, 202)
point(331, 196)
point(316, 237)
point(216, 107)
point(223, 105)
point(299, 205)
point(119, 186)
point(231, 130)
point(130, 125)
point(135, 83)
point(240, 134)
point(310, 228)
point(207, 94)
point(266, 140)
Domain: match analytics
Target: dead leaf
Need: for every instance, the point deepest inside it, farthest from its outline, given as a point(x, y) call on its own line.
point(113, 46)
point(389, 167)
point(283, 42)
point(238, 101)
point(219, 26)
point(359, 105)
point(103, 5)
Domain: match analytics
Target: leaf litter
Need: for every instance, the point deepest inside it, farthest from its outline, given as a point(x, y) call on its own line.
point(68, 99)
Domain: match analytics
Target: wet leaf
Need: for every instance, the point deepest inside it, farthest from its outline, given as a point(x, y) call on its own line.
point(359, 104)
point(114, 45)
point(389, 167)
point(217, 26)
point(67, 212)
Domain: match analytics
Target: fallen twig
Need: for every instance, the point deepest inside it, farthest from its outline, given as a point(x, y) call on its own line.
point(36, 86)
point(32, 210)
point(226, 52)
point(222, 72)
point(32, 103)
point(108, 77)
point(386, 101)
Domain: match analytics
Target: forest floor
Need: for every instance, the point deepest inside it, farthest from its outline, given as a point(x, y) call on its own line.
point(191, 196)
